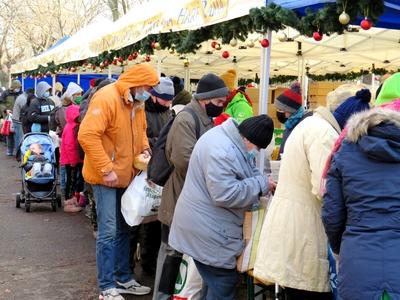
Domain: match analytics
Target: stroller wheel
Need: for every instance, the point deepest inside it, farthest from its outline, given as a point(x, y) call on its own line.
point(27, 207)
point(59, 201)
point(18, 201)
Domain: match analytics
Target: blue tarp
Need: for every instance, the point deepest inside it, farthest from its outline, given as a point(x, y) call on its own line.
point(390, 18)
point(65, 79)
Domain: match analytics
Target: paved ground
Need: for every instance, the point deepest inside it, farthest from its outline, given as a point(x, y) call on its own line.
point(43, 255)
point(46, 255)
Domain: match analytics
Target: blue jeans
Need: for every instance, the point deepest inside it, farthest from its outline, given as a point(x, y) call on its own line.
point(220, 284)
point(18, 134)
point(112, 245)
point(63, 178)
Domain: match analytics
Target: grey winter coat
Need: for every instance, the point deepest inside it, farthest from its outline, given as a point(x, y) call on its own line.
point(180, 143)
point(18, 105)
point(221, 184)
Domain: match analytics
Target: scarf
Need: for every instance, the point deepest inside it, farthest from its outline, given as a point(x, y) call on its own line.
point(295, 119)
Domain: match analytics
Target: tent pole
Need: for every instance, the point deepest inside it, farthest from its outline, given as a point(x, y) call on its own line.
point(187, 79)
point(158, 65)
point(9, 80)
point(109, 72)
point(78, 78)
point(264, 88)
point(54, 84)
point(23, 83)
point(35, 84)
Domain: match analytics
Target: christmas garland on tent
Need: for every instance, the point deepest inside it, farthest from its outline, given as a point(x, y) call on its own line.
point(350, 76)
point(327, 20)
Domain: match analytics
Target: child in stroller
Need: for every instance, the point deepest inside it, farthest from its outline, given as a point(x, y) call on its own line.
point(38, 176)
point(35, 163)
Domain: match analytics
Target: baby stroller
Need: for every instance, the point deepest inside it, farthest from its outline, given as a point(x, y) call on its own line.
point(38, 188)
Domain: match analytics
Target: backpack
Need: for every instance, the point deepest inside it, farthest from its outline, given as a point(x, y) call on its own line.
point(159, 168)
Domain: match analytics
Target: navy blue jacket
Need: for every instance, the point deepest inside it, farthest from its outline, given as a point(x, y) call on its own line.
point(361, 211)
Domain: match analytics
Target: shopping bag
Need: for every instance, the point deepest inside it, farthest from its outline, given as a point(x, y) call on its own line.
point(252, 225)
point(6, 129)
point(140, 200)
point(189, 283)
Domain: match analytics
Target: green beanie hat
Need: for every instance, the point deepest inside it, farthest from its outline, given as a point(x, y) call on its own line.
point(390, 90)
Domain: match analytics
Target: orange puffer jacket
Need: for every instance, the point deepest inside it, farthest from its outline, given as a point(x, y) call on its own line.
point(113, 132)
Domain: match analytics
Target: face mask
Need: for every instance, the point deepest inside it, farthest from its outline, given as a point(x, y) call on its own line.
point(281, 117)
point(252, 154)
point(46, 94)
point(78, 100)
point(213, 110)
point(17, 90)
point(142, 96)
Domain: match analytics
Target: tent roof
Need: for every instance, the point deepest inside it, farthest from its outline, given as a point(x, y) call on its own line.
point(336, 53)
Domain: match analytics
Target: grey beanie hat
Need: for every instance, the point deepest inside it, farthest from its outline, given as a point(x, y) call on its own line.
point(210, 86)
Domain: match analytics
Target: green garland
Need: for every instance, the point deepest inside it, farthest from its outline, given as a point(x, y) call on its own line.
point(281, 79)
point(274, 17)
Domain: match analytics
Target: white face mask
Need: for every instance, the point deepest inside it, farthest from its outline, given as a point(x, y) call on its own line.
point(17, 90)
point(46, 94)
point(142, 96)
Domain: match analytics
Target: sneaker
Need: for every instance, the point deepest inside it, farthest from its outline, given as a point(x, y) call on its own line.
point(72, 209)
point(110, 294)
point(133, 287)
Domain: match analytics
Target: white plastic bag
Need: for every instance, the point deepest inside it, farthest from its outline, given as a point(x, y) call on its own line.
point(140, 200)
point(189, 283)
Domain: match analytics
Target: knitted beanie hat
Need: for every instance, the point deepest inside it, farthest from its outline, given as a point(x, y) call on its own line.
point(290, 100)
point(210, 86)
point(258, 130)
point(229, 77)
point(15, 84)
point(164, 90)
point(351, 106)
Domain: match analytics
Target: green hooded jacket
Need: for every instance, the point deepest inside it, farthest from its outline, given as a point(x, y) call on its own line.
point(239, 108)
point(390, 90)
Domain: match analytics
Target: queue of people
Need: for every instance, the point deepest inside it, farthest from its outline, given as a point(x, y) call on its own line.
point(336, 188)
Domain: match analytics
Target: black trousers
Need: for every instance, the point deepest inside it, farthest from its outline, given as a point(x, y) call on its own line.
point(74, 180)
point(293, 294)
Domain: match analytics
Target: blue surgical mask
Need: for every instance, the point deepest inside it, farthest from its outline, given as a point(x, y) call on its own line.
point(252, 154)
point(142, 96)
point(46, 94)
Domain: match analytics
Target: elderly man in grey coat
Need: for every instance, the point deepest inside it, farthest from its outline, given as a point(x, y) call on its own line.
point(221, 184)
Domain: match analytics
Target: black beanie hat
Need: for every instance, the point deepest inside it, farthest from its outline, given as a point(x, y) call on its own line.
point(258, 130)
point(210, 86)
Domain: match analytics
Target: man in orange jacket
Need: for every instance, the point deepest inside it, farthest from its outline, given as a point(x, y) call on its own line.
point(112, 134)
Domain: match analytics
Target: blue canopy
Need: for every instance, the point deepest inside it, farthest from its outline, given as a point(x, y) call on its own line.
point(390, 18)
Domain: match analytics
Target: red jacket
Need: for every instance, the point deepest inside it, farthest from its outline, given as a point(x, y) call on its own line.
point(69, 142)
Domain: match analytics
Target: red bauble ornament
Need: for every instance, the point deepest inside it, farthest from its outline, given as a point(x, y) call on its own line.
point(318, 36)
point(135, 55)
point(264, 43)
point(94, 67)
point(213, 44)
point(153, 45)
point(106, 63)
point(115, 62)
point(147, 58)
point(366, 24)
point(120, 59)
point(130, 57)
point(225, 54)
